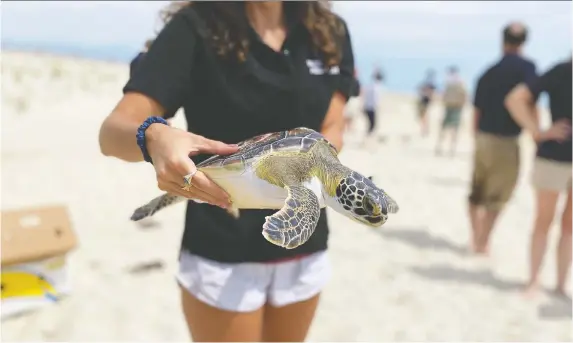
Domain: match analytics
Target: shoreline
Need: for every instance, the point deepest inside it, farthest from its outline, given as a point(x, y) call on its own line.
point(39, 52)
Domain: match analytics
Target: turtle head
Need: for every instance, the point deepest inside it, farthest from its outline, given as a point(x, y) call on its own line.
point(358, 197)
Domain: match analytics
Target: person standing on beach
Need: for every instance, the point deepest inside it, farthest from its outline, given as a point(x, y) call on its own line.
point(426, 93)
point(552, 167)
point(454, 99)
point(371, 94)
point(238, 69)
point(496, 156)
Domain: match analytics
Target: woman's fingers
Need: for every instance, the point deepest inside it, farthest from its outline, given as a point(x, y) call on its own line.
point(175, 171)
point(201, 186)
point(205, 145)
point(202, 182)
point(199, 180)
point(193, 193)
point(204, 196)
point(180, 167)
point(560, 131)
point(173, 188)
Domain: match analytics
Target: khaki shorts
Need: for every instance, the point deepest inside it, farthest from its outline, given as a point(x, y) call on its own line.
point(452, 117)
point(551, 175)
point(496, 169)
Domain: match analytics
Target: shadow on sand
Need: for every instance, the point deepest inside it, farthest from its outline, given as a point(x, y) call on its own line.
point(445, 181)
point(447, 273)
point(557, 308)
point(422, 239)
point(426, 151)
point(148, 223)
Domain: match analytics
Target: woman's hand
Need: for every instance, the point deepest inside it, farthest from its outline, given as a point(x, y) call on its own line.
point(170, 150)
point(560, 131)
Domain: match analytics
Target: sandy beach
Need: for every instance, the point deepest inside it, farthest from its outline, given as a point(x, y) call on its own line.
point(411, 280)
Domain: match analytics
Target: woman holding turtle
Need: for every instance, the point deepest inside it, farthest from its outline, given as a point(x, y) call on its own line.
point(239, 69)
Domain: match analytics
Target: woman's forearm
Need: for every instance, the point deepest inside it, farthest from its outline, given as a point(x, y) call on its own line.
point(117, 138)
point(519, 103)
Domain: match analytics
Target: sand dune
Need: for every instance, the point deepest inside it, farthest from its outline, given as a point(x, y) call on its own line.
point(409, 281)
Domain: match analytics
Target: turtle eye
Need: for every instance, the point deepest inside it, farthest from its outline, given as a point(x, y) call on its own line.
point(368, 206)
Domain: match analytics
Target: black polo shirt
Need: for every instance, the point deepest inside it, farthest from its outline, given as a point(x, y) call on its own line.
point(133, 66)
point(135, 62)
point(491, 90)
point(355, 90)
point(557, 83)
point(231, 101)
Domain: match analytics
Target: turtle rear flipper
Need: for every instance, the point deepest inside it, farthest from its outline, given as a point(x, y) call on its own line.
point(155, 205)
point(293, 225)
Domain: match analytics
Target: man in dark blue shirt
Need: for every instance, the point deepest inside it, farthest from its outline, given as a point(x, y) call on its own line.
point(496, 158)
point(552, 166)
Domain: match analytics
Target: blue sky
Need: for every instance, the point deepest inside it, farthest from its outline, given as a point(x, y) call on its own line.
point(396, 35)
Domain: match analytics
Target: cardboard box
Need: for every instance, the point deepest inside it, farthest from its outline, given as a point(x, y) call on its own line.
point(35, 244)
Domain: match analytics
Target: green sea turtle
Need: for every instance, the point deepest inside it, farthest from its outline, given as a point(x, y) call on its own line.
point(296, 172)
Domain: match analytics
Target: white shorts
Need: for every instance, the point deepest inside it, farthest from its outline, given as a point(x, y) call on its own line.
point(245, 287)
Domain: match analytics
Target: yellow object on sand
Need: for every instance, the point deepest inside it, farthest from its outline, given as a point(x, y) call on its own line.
point(17, 284)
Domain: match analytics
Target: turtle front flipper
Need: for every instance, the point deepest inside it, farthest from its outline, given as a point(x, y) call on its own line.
point(293, 224)
point(234, 212)
point(155, 205)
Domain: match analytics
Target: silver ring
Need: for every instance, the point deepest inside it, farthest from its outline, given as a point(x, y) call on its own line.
point(187, 180)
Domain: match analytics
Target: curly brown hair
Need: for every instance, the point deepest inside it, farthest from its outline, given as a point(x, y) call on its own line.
point(227, 25)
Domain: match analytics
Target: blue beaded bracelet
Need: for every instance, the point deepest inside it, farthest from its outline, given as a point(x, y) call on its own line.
point(141, 135)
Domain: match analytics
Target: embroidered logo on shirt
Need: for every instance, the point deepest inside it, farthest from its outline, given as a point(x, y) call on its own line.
point(315, 67)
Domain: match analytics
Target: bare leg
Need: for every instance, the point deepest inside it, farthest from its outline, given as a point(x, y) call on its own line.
point(424, 122)
point(564, 247)
point(440, 140)
point(289, 323)
point(476, 218)
point(454, 141)
point(210, 324)
point(546, 201)
point(367, 141)
point(487, 224)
